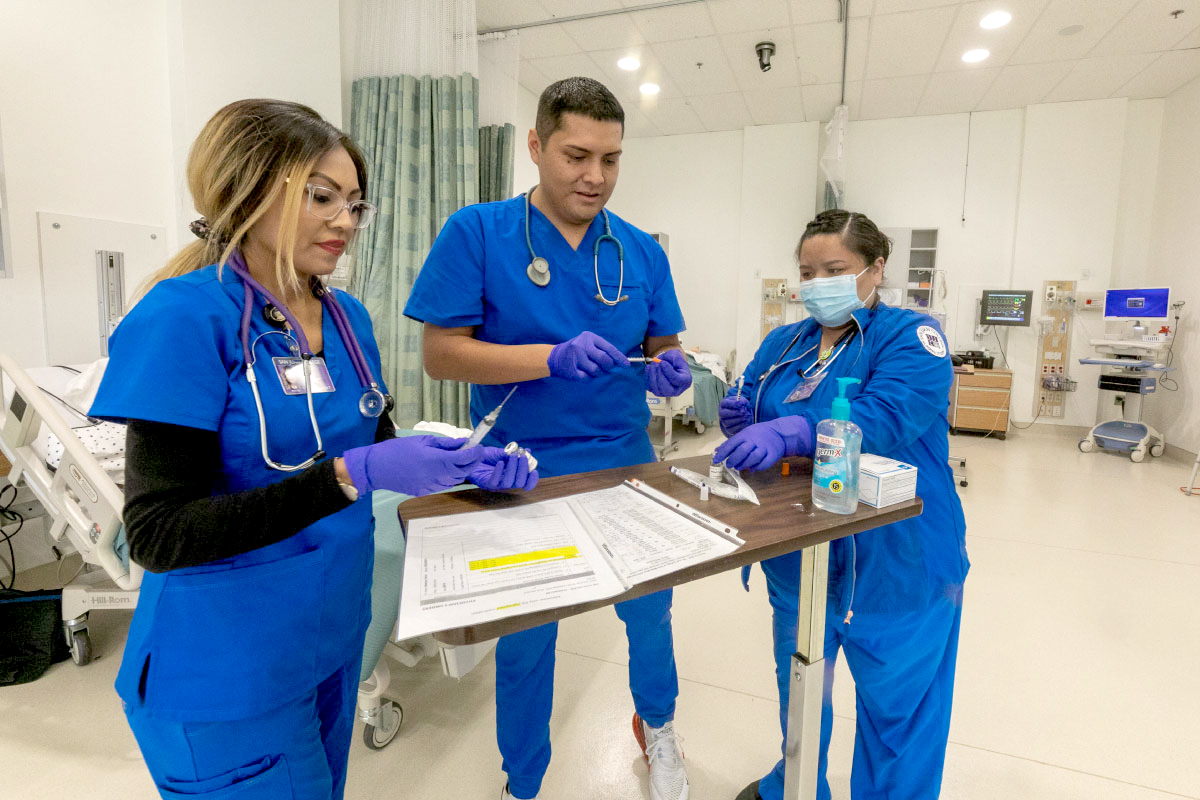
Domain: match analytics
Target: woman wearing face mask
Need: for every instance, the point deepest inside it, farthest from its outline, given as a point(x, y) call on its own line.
point(895, 594)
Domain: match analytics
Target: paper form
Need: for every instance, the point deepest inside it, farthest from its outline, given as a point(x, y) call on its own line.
point(466, 569)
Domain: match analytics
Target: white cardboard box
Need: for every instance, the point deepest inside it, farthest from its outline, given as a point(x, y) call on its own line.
point(885, 481)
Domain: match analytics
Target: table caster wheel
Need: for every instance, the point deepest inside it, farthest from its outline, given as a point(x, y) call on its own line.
point(377, 737)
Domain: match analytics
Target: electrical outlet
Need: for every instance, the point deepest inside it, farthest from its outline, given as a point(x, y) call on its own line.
point(1051, 293)
point(1056, 411)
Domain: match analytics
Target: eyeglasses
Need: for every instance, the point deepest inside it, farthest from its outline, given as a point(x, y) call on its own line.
point(324, 203)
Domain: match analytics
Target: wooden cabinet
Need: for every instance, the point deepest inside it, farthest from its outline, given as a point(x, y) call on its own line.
point(979, 401)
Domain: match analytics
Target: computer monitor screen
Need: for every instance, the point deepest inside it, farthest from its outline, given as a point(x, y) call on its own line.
point(1137, 303)
point(1005, 307)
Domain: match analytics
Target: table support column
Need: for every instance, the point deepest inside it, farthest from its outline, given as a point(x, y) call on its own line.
point(802, 749)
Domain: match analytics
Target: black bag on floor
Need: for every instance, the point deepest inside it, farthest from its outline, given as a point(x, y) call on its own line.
point(31, 636)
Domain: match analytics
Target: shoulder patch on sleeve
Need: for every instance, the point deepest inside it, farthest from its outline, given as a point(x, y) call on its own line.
point(932, 341)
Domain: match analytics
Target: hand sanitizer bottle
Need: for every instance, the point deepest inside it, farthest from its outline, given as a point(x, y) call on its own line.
point(835, 463)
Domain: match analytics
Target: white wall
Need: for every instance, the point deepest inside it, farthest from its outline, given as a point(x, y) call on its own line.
point(99, 104)
point(83, 113)
point(1173, 261)
point(690, 187)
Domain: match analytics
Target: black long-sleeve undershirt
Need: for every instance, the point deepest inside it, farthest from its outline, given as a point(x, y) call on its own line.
point(173, 520)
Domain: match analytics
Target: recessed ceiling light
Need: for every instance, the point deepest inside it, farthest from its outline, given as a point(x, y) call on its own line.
point(648, 88)
point(971, 56)
point(996, 19)
point(629, 63)
point(1070, 30)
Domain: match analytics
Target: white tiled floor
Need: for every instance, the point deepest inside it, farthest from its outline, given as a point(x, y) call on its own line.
point(1077, 670)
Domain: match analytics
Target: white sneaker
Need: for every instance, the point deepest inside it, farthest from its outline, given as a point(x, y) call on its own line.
point(661, 747)
point(507, 795)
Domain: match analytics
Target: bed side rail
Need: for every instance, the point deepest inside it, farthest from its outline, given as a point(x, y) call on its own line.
point(81, 499)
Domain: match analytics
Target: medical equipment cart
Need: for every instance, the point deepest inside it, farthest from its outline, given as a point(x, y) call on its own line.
point(1128, 368)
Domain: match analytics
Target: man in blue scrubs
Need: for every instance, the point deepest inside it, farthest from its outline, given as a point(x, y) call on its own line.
point(496, 315)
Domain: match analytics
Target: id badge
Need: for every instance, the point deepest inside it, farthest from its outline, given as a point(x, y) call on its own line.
point(805, 388)
point(291, 374)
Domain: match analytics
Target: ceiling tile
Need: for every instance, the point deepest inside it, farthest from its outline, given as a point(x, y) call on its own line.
point(1190, 41)
point(651, 70)
point(743, 59)
point(956, 92)
point(965, 33)
point(821, 99)
point(638, 125)
point(491, 14)
point(547, 40)
point(674, 22)
point(574, 8)
point(1095, 78)
point(808, 11)
point(886, 98)
point(1165, 75)
point(897, 6)
point(673, 116)
point(713, 76)
point(739, 16)
point(819, 51)
point(532, 78)
point(556, 68)
point(722, 112)
point(776, 106)
point(1044, 44)
point(1150, 28)
point(907, 44)
point(1023, 85)
point(604, 33)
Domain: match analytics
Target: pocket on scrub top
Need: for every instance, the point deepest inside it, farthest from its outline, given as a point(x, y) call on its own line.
point(232, 642)
point(613, 322)
point(266, 778)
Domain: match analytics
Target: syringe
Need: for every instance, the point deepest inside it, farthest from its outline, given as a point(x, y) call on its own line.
point(485, 425)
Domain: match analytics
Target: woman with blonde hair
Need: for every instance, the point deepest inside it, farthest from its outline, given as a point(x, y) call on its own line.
point(239, 373)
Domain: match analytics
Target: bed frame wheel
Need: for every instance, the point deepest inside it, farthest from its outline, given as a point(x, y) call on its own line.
point(391, 717)
point(700, 427)
point(81, 647)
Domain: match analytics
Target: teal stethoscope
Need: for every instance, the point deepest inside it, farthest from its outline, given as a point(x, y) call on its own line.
point(539, 268)
point(373, 401)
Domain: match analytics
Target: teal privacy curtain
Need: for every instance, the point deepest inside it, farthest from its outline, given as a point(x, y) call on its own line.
point(496, 162)
point(421, 140)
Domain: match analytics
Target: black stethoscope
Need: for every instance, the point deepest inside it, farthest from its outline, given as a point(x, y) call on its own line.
point(373, 401)
point(539, 268)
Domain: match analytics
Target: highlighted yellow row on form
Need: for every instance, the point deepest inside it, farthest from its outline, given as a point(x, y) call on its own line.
point(524, 558)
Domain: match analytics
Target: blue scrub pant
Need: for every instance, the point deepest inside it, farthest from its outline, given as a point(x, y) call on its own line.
point(903, 668)
point(296, 751)
point(525, 685)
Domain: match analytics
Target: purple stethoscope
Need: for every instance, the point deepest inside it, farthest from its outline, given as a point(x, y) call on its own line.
point(373, 401)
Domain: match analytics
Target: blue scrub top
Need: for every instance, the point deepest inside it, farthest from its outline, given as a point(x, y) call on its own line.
point(902, 360)
point(475, 277)
point(238, 636)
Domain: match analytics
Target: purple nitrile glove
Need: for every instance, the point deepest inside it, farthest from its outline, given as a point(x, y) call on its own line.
point(669, 376)
point(734, 414)
point(413, 465)
point(584, 357)
point(761, 445)
point(499, 470)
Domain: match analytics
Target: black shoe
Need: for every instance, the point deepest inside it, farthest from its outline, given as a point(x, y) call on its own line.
point(749, 793)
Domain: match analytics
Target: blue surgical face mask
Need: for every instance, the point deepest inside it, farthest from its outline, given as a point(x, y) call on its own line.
point(831, 301)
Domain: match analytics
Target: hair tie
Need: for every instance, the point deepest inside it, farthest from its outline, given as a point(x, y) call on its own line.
point(200, 229)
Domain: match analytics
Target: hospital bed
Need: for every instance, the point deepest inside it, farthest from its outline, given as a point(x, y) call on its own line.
point(697, 405)
point(79, 498)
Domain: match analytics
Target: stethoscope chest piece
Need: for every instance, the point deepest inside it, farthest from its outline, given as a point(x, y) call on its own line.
point(372, 403)
point(539, 271)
